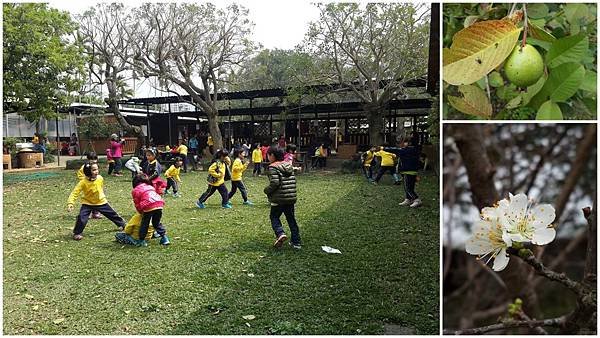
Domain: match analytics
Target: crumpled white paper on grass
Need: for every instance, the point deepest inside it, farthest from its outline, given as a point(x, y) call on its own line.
point(329, 249)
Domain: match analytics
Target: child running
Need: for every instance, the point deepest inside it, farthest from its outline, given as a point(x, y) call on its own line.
point(148, 203)
point(409, 165)
point(93, 200)
point(387, 164)
point(216, 181)
point(173, 179)
point(237, 170)
point(367, 158)
point(256, 159)
point(281, 193)
point(92, 157)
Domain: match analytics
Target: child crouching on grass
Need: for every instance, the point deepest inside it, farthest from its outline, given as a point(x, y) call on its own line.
point(130, 234)
point(281, 193)
point(92, 157)
point(173, 179)
point(148, 203)
point(93, 200)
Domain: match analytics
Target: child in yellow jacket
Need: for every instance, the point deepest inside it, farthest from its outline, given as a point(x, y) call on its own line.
point(92, 157)
point(256, 159)
point(216, 181)
point(237, 170)
point(173, 179)
point(93, 200)
point(131, 233)
point(387, 164)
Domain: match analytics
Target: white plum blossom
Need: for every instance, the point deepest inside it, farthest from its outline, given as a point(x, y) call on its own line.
point(526, 223)
point(490, 240)
point(510, 220)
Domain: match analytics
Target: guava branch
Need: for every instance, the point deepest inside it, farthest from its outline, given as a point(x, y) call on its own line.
point(553, 322)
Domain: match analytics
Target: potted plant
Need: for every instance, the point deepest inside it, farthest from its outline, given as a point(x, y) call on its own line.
point(9, 150)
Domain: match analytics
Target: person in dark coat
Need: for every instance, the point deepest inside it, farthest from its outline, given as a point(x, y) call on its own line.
point(409, 165)
point(281, 193)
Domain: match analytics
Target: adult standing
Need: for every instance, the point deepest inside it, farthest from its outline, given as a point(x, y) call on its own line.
point(193, 151)
point(116, 150)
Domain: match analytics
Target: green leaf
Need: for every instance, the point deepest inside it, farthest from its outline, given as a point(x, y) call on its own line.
point(590, 104)
point(474, 101)
point(495, 79)
point(537, 11)
point(575, 13)
point(535, 42)
point(477, 50)
point(549, 111)
point(569, 49)
point(514, 103)
point(533, 89)
point(589, 81)
point(563, 82)
point(539, 33)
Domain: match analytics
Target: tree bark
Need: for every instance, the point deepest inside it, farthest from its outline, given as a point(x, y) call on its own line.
point(213, 128)
point(375, 121)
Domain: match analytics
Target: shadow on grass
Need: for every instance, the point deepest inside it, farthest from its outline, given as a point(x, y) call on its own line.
point(387, 273)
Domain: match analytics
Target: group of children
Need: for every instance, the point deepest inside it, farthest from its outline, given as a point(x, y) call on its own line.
point(407, 156)
point(149, 187)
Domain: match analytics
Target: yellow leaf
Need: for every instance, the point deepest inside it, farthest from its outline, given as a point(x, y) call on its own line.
point(58, 321)
point(478, 49)
point(28, 296)
point(474, 101)
point(36, 307)
point(249, 317)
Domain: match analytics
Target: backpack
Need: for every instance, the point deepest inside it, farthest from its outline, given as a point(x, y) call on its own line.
point(211, 179)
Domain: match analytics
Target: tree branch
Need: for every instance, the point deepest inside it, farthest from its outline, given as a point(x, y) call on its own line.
point(556, 322)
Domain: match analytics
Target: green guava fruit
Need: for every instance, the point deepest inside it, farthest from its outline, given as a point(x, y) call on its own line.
point(524, 66)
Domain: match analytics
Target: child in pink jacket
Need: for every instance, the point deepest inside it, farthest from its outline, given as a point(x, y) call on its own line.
point(148, 203)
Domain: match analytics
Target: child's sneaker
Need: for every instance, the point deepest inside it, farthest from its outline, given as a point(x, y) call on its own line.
point(155, 235)
point(248, 203)
point(120, 228)
point(405, 202)
point(227, 206)
point(164, 240)
point(200, 205)
point(124, 238)
point(78, 237)
point(416, 203)
point(296, 246)
point(177, 194)
point(280, 240)
point(141, 242)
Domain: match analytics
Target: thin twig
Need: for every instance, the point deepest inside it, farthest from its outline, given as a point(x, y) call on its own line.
point(524, 41)
point(557, 322)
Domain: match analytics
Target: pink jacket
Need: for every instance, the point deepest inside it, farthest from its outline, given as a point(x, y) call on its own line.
point(145, 198)
point(115, 149)
point(288, 157)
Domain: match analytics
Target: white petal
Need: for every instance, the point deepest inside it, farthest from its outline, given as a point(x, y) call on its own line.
point(489, 213)
point(501, 261)
point(543, 236)
point(506, 238)
point(541, 216)
point(517, 237)
point(515, 212)
point(478, 246)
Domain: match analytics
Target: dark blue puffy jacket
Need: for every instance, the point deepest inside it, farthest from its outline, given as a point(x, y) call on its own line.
point(409, 157)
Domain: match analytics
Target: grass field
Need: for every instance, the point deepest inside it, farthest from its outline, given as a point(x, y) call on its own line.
point(221, 265)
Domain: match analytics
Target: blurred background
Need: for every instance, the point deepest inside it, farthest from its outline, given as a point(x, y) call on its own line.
point(551, 163)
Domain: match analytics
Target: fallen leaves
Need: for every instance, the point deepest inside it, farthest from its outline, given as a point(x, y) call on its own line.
point(249, 317)
point(58, 321)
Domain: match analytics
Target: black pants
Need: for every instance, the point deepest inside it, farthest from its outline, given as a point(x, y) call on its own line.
point(184, 159)
point(172, 183)
point(288, 211)
point(211, 190)
point(111, 167)
point(235, 185)
point(104, 209)
point(256, 168)
point(382, 171)
point(154, 216)
point(409, 186)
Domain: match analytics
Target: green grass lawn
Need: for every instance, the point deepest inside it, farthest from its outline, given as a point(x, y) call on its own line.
point(221, 265)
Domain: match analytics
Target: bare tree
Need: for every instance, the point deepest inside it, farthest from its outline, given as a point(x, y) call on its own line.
point(193, 46)
point(374, 51)
point(102, 31)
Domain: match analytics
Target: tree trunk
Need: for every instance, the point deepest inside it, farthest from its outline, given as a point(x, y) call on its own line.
point(213, 128)
point(113, 107)
point(375, 121)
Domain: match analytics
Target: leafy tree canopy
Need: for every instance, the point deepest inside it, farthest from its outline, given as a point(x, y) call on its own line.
point(42, 66)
